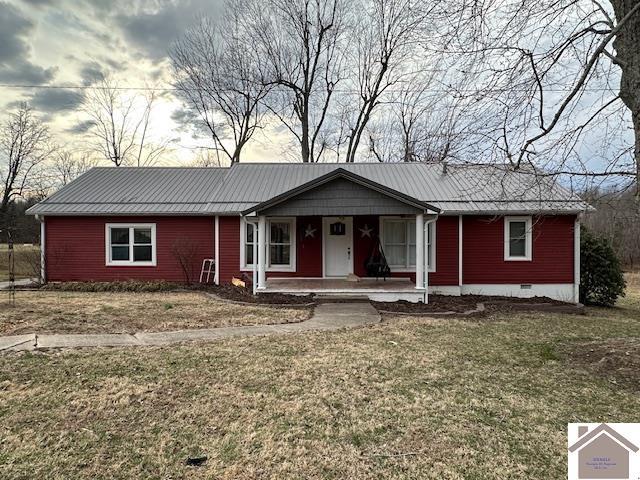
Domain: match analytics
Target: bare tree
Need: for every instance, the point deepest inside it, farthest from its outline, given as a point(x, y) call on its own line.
point(24, 145)
point(121, 122)
point(67, 165)
point(548, 69)
point(217, 73)
point(386, 38)
point(299, 44)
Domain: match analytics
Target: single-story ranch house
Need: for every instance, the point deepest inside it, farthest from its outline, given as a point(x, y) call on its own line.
point(321, 228)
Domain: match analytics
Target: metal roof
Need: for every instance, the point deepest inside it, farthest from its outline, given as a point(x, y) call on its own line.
point(230, 191)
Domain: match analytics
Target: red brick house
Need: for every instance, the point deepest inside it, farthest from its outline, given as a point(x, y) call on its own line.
point(315, 228)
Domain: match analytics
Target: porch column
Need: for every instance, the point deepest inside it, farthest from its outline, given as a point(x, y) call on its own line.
point(420, 251)
point(262, 254)
point(576, 260)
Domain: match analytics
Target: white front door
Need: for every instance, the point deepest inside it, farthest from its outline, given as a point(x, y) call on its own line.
point(337, 237)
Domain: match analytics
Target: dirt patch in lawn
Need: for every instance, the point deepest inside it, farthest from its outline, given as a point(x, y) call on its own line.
point(239, 294)
point(616, 360)
point(82, 312)
point(466, 303)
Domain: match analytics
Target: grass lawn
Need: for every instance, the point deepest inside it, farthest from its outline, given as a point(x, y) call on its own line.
point(410, 398)
point(27, 261)
point(88, 312)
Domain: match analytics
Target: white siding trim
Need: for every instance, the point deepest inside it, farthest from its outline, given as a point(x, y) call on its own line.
point(216, 250)
point(558, 291)
point(460, 243)
point(43, 269)
point(576, 261)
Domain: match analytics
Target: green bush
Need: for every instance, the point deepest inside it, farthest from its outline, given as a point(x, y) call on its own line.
point(601, 278)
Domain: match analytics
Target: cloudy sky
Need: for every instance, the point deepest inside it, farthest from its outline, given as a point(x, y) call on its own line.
point(73, 43)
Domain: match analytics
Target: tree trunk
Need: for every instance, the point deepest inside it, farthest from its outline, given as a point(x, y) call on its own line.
point(627, 45)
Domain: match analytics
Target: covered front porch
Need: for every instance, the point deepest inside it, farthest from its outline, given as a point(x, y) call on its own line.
point(389, 290)
point(324, 238)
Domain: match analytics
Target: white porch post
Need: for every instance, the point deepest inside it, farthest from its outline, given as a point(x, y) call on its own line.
point(576, 261)
point(216, 249)
point(262, 253)
point(420, 250)
point(43, 265)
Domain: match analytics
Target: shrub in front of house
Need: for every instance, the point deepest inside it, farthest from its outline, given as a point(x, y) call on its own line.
point(601, 277)
point(122, 286)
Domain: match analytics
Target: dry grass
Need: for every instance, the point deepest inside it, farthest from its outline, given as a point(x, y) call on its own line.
point(27, 261)
point(81, 312)
point(410, 398)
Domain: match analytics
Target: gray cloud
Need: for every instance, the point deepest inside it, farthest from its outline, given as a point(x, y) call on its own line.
point(13, 28)
point(26, 72)
point(56, 100)
point(15, 50)
point(81, 127)
point(40, 3)
point(91, 73)
point(153, 32)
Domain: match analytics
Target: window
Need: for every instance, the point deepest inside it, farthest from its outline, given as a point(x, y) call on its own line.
point(280, 243)
point(399, 243)
point(281, 252)
point(517, 238)
point(131, 244)
point(251, 237)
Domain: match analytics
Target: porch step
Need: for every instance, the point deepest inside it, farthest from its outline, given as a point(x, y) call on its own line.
point(329, 298)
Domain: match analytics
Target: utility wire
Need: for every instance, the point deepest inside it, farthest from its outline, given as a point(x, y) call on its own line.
point(173, 89)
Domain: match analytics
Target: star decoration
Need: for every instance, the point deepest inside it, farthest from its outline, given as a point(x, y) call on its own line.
point(365, 231)
point(310, 231)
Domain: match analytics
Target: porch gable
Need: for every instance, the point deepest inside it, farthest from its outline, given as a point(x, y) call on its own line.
point(341, 193)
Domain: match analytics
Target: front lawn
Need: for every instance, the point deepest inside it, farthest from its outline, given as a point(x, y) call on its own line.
point(411, 398)
point(91, 312)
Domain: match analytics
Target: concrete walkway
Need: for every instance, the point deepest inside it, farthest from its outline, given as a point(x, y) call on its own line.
point(327, 316)
point(23, 282)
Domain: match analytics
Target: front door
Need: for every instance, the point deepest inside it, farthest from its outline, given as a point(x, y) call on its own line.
point(338, 246)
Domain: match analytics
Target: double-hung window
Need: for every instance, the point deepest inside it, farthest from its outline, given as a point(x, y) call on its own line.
point(518, 238)
point(131, 244)
point(399, 243)
point(281, 243)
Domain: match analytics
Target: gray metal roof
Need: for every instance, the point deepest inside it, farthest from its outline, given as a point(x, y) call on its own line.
point(229, 191)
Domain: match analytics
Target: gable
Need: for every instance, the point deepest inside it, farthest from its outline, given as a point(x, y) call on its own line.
point(341, 196)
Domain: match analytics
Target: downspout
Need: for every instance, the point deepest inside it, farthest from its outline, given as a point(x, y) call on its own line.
point(254, 280)
point(216, 250)
point(43, 267)
point(576, 261)
point(425, 268)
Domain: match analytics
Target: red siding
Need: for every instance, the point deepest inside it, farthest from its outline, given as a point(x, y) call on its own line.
point(309, 250)
point(229, 248)
point(75, 248)
point(483, 252)
point(446, 252)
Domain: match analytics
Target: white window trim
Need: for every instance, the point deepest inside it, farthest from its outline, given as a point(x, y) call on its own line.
point(403, 269)
point(130, 262)
point(528, 239)
point(278, 268)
